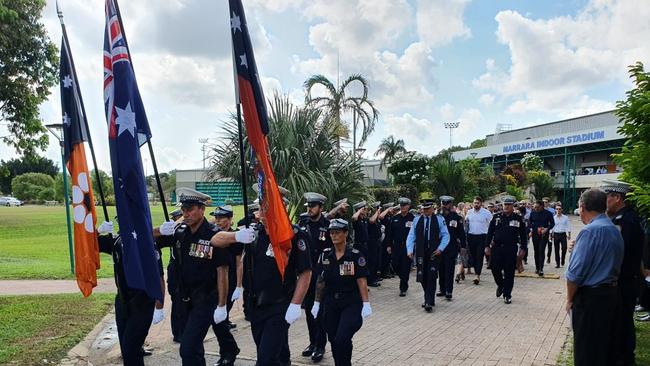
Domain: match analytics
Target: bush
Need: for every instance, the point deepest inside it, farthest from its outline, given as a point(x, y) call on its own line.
point(409, 191)
point(516, 192)
point(517, 172)
point(412, 169)
point(385, 195)
point(33, 186)
point(542, 182)
point(532, 162)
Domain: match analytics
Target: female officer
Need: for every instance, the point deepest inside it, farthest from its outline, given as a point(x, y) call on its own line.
point(343, 288)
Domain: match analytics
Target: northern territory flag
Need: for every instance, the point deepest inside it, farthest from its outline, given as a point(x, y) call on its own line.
point(86, 249)
point(128, 129)
point(250, 95)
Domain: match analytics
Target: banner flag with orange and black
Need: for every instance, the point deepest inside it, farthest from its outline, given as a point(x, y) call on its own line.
point(250, 95)
point(86, 248)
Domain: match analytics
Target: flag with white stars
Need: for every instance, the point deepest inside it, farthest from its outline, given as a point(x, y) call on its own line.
point(86, 247)
point(250, 95)
point(128, 129)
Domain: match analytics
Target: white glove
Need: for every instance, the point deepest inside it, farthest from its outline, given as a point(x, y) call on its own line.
point(158, 316)
point(167, 228)
point(236, 294)
point(366, 311)
point(315, 309)
point(220, 314)
point(105, 228)
point(293, 313)
point(245, 236)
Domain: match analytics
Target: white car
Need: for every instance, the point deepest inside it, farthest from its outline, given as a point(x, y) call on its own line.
point(9, 201)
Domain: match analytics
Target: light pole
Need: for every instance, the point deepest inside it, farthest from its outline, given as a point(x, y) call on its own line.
point(493, 156)
point(451, 126)
point(56, 129)
point(203, 142)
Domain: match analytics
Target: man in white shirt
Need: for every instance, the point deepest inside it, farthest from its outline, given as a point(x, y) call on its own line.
point(478, 220)
point(561, 231)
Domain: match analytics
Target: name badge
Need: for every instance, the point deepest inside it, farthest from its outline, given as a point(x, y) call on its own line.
point(201, 250)
point(346, 268)
point(453, 223)
point(409, 224)
point(514, 223)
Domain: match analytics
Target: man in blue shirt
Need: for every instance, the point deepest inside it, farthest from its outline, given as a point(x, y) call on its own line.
point(428, 238)
point(592, 289)
point(541, 222)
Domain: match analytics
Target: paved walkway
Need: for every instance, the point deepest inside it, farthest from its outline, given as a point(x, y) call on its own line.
point(475, 328)
point(42, 287)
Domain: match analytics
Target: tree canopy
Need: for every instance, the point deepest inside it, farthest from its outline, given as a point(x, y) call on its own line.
point(28, 68)
point(27, 164)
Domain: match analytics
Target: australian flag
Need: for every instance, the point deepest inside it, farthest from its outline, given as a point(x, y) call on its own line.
point(128, 129)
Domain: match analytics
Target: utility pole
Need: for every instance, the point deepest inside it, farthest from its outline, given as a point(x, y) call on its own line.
point(203, 141)
point(451, 126)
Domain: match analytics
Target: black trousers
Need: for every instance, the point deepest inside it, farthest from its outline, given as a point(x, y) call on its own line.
point(539, 244)
point(342, 322)
point(316, 328)
point(428, 281)
point(386, 260)
point(403, 264)
point(560, 246)
point(227, 344)
point(271, 336)
point(549, 247)
point(447, 268)
point(476, 244)
point(625, 331)
point(503, 265)
point(133, 319)
point(177, 316)
point(199, 314)
point(373, 260)
point(594, 316)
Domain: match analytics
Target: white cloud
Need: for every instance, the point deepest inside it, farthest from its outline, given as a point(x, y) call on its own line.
point(555, 62)
point(486, 99)
point(440, 21)
point(418, 134)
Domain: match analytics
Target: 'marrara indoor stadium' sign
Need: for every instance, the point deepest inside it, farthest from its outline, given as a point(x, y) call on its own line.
point(570, 139)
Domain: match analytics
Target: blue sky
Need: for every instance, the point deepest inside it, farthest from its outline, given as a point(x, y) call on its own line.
point(427, 61)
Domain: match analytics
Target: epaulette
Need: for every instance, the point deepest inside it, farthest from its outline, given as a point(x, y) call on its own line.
point(618, 217)
point(327, 250)
point(355, 251)
point(297, 229)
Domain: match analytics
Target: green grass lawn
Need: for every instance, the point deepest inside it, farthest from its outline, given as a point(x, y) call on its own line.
point(34, 328)
point(34, 242)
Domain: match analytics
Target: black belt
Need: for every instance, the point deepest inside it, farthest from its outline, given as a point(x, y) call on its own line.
point(606, 284)
point(341, 295)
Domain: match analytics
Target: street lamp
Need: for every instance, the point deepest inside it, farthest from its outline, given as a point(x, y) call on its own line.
point(493, 156)
point(56, 129)
point(451, 126)
point(359, 151)
point(203, 142)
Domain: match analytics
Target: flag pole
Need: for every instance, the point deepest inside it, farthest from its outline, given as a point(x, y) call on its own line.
point(153, 157)
point(83, 112)
point(242, 157)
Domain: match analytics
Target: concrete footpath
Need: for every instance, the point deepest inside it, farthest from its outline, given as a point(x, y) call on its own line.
point(476, 328)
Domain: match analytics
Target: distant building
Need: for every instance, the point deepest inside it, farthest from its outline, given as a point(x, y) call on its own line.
point(576, 152)
point(372, 175)
point(222, 190)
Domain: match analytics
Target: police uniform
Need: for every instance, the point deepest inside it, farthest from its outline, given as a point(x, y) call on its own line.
point(342, 302)
point(505, 232)
point(629, 224)
point(374, 247)
point(267, 296)
point(133, 308)
point(197, 262)
point(449, 255)
point(399, 230)
point(228, 349)
point(427, 235)
point(320, 240)
point(385, 257)
point(177, 321)
point(360, 226)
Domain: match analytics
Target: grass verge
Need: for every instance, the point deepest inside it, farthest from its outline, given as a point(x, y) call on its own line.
point(45, 327)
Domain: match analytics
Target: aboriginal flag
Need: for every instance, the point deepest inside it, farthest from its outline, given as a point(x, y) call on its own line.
point(250, 95)
point(86, 249)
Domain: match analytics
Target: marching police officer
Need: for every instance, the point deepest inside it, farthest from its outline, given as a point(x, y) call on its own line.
point(360, 225)
point(507, 229)
point(177, 322)
point(316, 225)
point(271, 302)
point(343, 290)
point(228, 349)
point(202, 270)
point(374, 236)
point(385, 258)
point(457, 240)
point(399, 231)
point(427, 239)
point(134, 309)
point(629, 223)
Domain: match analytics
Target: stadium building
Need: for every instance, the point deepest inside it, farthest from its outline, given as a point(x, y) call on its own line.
point(577, 152)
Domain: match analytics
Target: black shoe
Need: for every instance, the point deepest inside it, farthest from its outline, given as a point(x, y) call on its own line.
point(379, 279)
point(226, 361)
point(402, 293)
point(488, 267)
point(462, 276)
point(146, 351)
point(525, 262)
point(448, 297)
point(541, 273)
point(428, 308)
point(548, 260)
point(231, 325)
point(424, 304)
point(374, 284)
point(499, 291)
point(537, 271)
point(317, 356)
point(440, 294)
point(308, 351)
point(457, 278)
point(507, 300)
point(476, 281)
point(557, 266)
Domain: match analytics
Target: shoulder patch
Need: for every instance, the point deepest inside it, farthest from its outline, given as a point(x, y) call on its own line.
point(302, 245)
point(361, 261)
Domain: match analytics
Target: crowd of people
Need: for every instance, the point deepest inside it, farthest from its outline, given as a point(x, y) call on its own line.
point(336, 255)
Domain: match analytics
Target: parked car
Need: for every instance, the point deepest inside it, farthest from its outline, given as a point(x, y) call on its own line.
point(9, 201)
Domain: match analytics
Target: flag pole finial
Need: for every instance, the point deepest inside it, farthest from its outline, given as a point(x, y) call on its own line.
point(59, 12)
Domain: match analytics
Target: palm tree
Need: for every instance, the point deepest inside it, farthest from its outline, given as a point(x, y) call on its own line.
point(391, 149)
point(303, 153)
point(337, 102)
point(447, 177)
